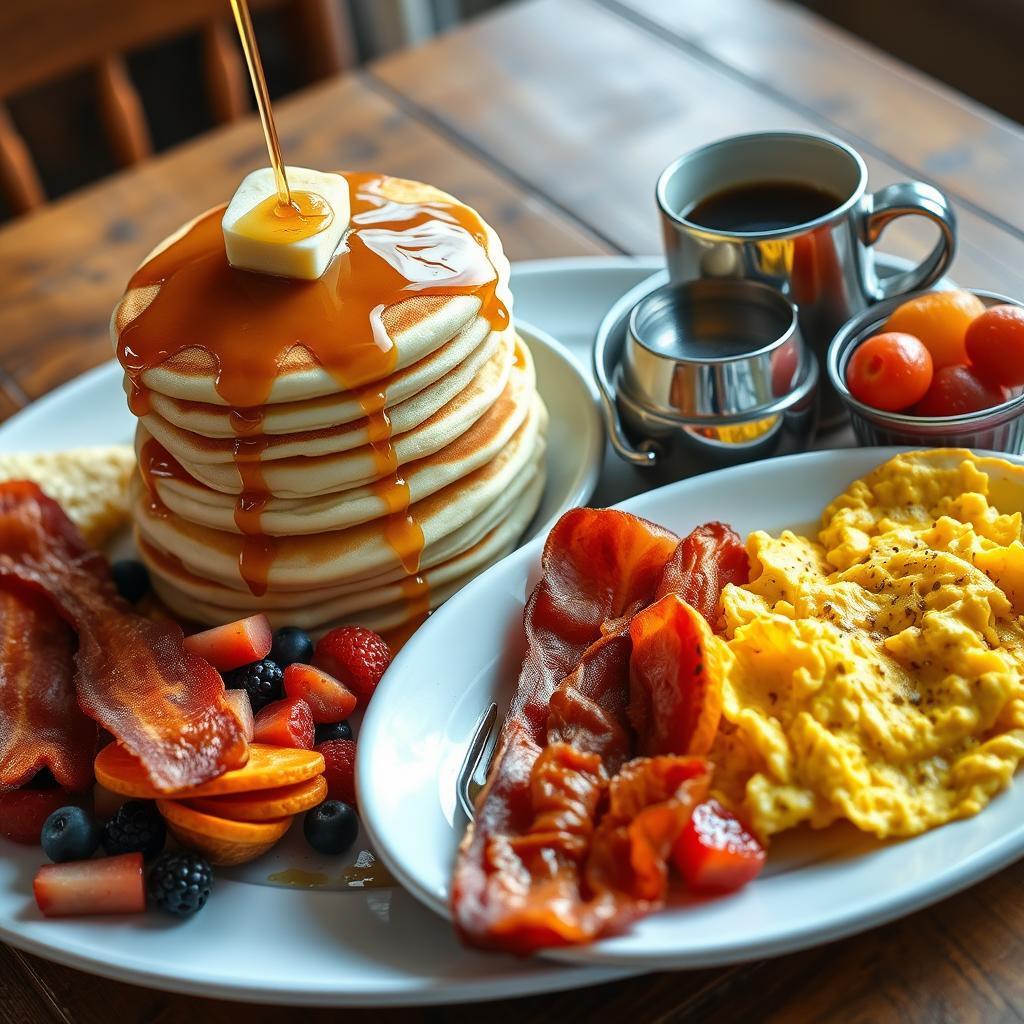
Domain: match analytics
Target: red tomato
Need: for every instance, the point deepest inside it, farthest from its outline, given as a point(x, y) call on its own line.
point(995, 345)
point(890, 371)
point(956, 390)
point(715, 852)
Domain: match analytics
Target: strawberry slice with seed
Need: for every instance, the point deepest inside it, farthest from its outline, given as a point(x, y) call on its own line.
point(285, 723)
point(328, 699)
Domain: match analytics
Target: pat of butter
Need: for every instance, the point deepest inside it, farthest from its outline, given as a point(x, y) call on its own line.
point(298, 242)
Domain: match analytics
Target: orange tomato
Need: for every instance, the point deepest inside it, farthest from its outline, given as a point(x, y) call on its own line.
point(889, 371)
point(940, 320)
point(995, 345)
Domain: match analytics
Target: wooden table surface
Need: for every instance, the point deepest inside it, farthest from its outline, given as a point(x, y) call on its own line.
point(553, 118)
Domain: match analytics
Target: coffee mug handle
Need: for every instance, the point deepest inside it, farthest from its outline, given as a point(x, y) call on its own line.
point(910, 197)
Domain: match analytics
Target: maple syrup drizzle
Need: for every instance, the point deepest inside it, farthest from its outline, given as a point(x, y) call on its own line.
point(305, 215)
point(251, 50)
point(416, 593)
point(248, 323)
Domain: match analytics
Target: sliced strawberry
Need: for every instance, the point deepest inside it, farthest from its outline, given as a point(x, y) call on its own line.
point(234, 644)
point(109, 885)
point(715, 852)
point(285, 723)
point(328, 699)
point(241, 707)
point(23, 811)
point(356, 656)
point(339, 769)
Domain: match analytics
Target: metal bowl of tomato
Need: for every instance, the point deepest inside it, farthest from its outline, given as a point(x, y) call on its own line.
point(898, 395)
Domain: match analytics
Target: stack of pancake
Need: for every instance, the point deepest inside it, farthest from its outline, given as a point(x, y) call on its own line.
point(374, 503)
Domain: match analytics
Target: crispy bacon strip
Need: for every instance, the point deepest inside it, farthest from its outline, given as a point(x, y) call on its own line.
point(599, 565)
point(706, 560)
point(650, 802)
point(675, 700)
point(571, 838)
point(41, 725)
point(675, 678)
point(132, 676)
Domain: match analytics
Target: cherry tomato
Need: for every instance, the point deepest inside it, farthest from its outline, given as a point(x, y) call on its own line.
point(939, 321)
point(890, 371)
point(715, 852)
point(995, 345)
point(956, 390)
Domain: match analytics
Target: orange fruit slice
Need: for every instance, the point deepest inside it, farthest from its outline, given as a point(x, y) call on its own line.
point(265, 804)
point(268, 768)
point(223, 842)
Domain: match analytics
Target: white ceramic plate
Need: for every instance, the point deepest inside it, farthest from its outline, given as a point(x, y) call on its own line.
point(336, 944)
point(819, 886)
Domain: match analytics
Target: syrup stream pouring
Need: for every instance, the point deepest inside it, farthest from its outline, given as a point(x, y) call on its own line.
point(243, 19)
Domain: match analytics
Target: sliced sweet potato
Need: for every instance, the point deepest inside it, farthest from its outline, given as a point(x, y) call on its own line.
point(267, 768)
point(223, 842)
point(265, 804)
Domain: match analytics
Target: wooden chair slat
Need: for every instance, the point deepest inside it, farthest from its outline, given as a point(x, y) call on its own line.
point(96, 34)
point(122, 112)
point(19, 181)
point(325, 32)
point(225, 73)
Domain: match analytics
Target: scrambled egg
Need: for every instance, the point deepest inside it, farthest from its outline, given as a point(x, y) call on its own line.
point(879, 671)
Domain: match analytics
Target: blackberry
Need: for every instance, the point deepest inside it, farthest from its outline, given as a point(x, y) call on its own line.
point(180, 883)
point(262, 680)
point(137, 827)
point(291, 644)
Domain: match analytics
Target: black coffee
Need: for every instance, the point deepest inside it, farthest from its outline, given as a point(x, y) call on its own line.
point(762, 206)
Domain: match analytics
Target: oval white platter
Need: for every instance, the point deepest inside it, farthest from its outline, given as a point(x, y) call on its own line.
point(336, 944)
point(819, 886)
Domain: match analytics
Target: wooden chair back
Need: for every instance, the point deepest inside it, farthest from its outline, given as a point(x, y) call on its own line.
point(43, 40)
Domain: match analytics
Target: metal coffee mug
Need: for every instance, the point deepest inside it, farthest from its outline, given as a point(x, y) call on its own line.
point(825, 266)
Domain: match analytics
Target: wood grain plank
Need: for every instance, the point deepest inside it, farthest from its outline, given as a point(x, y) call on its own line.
point(20, 1000)
point(588, 115)
point(12, 398)
point(656, 997)
point(957, 961)
point(64, 266)
point(916, 121)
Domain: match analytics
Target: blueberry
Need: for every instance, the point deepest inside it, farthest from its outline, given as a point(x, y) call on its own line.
point(70, 833)
point(331, 828)
point(180, 883)
point(291, 644)
point(131, 579)
point(333, 731)
point(138, 827)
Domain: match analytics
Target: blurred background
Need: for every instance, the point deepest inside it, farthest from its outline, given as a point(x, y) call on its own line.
point(87, 86)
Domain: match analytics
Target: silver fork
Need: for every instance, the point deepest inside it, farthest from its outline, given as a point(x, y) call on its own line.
point(482, 742)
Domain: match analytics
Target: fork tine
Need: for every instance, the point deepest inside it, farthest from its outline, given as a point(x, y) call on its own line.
point(474, 754)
